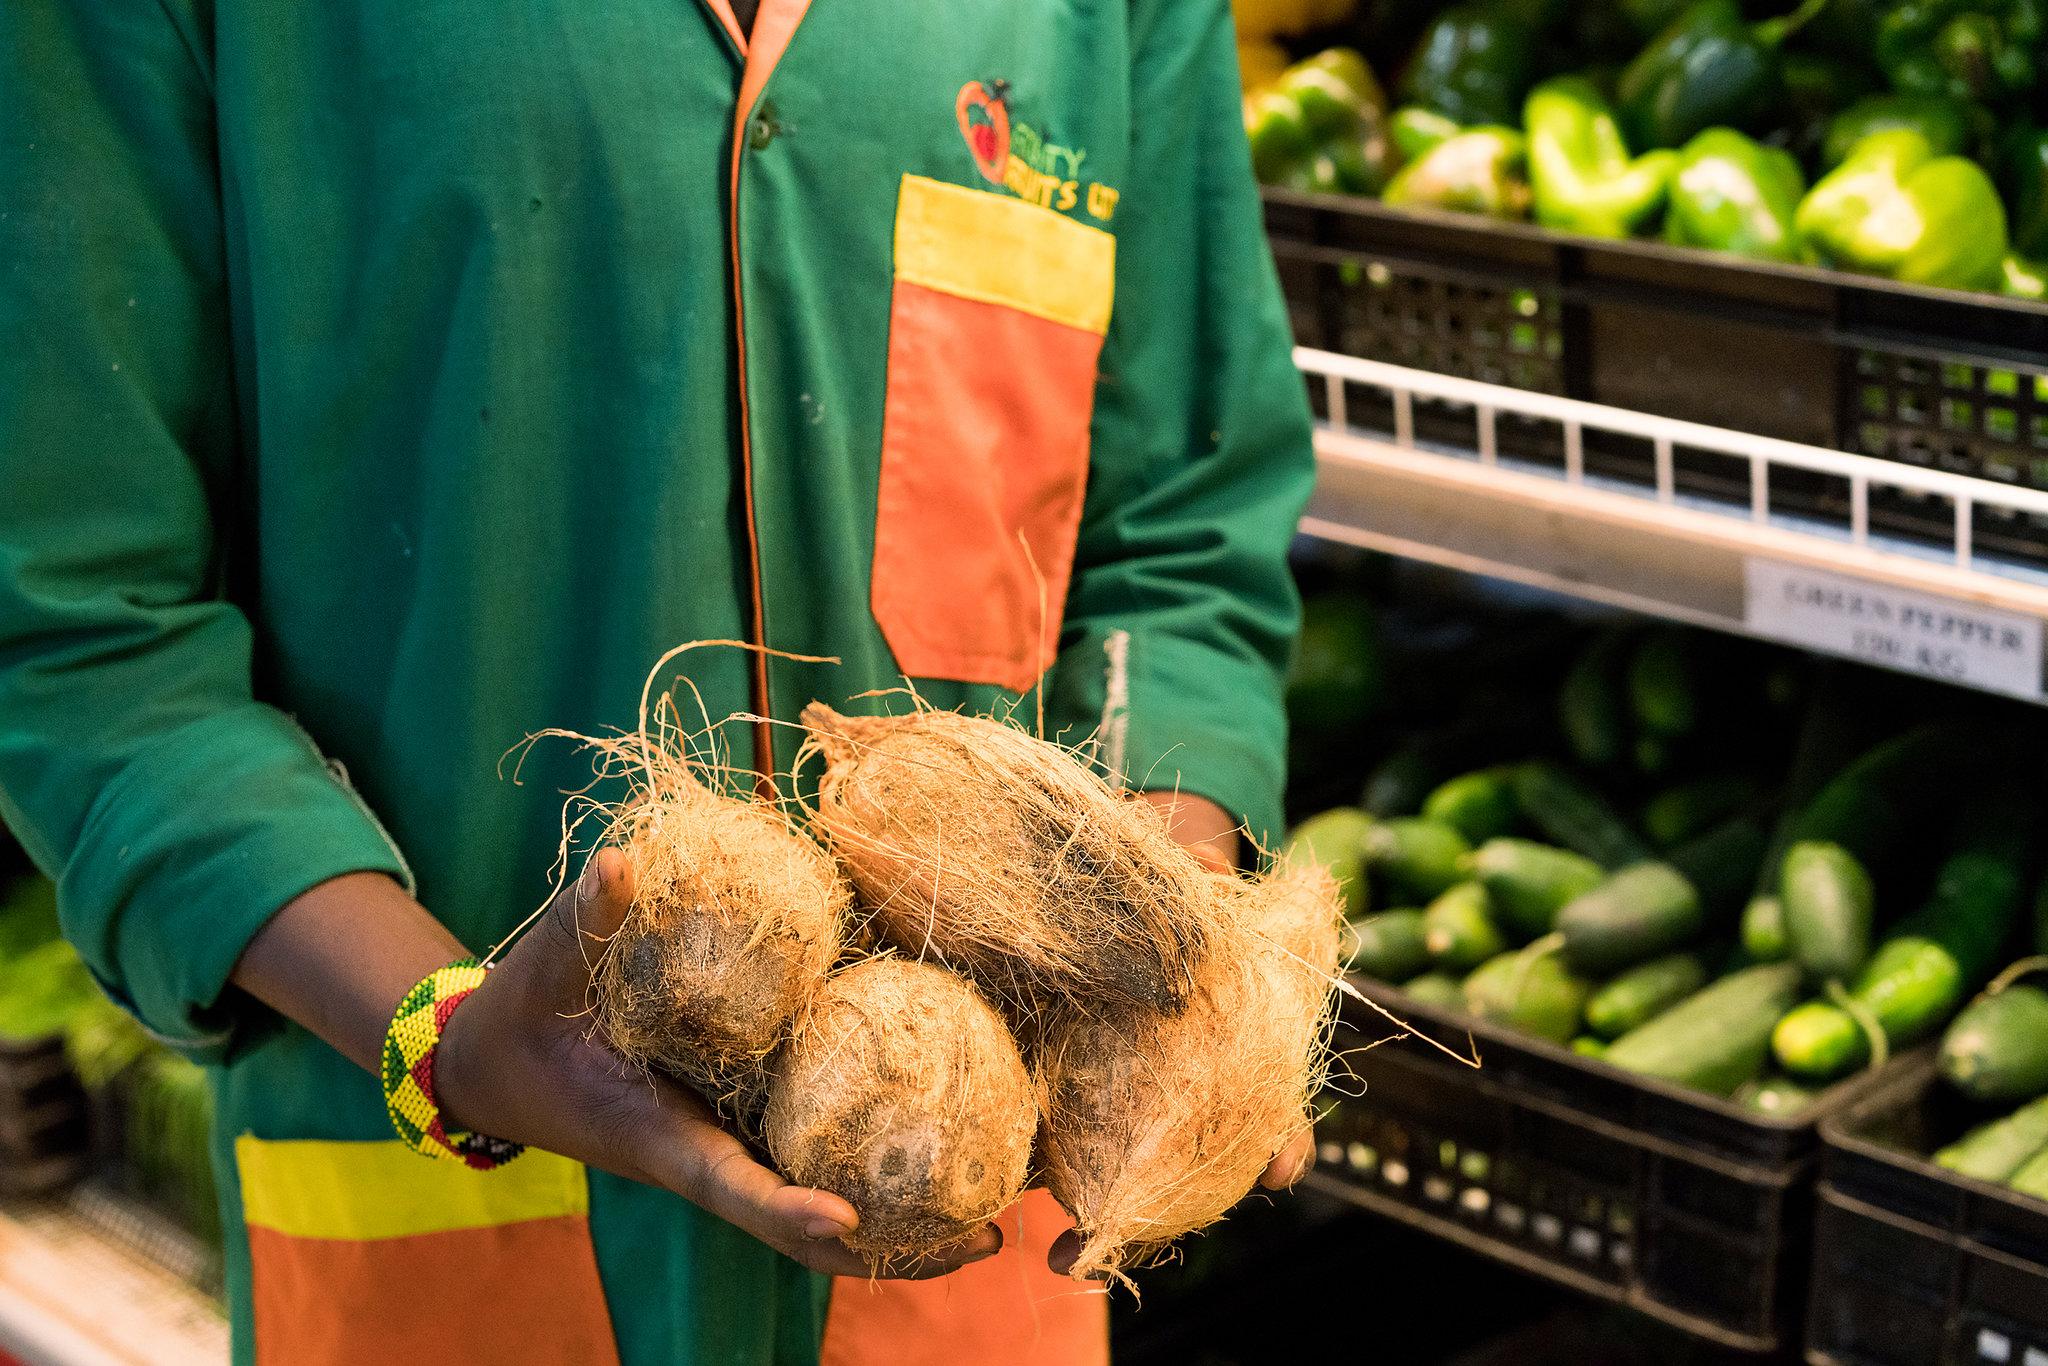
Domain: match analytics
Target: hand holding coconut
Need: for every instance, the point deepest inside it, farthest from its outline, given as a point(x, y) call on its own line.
point(521, 1061)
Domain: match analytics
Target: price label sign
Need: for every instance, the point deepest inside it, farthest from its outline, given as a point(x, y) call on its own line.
point(1978, 647)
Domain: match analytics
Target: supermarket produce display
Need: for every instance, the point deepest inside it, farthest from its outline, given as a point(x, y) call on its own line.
point(1565, 917)
point(1584, 893)
point(1894, 140)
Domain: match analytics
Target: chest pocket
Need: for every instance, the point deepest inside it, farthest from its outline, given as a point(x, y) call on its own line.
point(996, 321)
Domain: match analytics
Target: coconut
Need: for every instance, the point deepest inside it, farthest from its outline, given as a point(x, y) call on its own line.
point(1157, 1123)
point(734, 925)
point(903, 1092)
point(736, 919)
point(1003, 855)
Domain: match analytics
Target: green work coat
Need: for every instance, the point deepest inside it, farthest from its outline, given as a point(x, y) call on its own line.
point(384, 382)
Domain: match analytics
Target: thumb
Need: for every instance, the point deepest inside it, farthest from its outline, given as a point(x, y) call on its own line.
point(559, 955)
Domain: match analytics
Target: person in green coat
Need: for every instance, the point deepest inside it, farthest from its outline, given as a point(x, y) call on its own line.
point(387, 383)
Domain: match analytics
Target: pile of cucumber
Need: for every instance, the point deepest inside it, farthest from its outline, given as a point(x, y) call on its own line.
point(1743, 932)
point(1996, 1053)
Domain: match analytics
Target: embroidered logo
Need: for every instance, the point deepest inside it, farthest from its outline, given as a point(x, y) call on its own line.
point(985, 123)
point(1014, 156)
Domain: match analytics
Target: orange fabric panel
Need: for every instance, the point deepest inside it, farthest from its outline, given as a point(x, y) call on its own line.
point(722, 11)
point(984, 441)
point(524, 1294)
point(1007, 1311)
point(775, 23)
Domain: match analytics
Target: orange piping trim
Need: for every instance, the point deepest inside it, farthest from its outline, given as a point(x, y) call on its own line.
point(774, 25)
point(722, 11)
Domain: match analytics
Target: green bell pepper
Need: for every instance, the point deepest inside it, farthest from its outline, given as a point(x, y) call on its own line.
point(2020, 278)
point(1949, 125)
point(1414, 130)
point(1321, 126)
point(1335, 89)
point(1731, 193)
point(1474, 64)
point(2023, 176)
point(1895, 208)
point(1579, 165)
point(1480, 170)
point(1709, 66)
point(1966, 49)
point(1815, 87)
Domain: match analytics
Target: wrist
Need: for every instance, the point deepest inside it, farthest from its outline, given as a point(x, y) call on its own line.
point(340, 957)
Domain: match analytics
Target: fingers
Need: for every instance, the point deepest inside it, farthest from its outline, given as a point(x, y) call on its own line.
point(1065, 1251)
point(1291, 1163)
point(710, 1168)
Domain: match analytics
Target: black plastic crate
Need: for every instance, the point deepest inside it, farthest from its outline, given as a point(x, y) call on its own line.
point(43, 1131)
point(1914, 1265)
point(1934, 378)
point(1678, 1204)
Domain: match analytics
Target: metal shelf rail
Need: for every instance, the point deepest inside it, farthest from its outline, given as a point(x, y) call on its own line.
point(1782, 542)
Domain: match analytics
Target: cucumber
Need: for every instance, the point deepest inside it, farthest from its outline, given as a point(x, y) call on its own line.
point(1389, 946)
point(1919, 975)
point(1533, 992)
point(1458, 928)
point(1722, 863)
point(1529, 883)
point(1436, 989)
point(1997, 1047)
point(1417, 856)
point(1678, 814)
point(1478, 805)
point(1651, 908)
point(1592, 705)
point(1573, 816)
point(1642, 993)
point(1335, 840)
point(2032, 1177)
point(1829, 908)
point(1398, 785)
point(1772, 1095)
point(1874, 808)
point(1663, 684)
point(2041, 917)
point(1586, 1046)
point(1655, 755)
point(1763, 929)
point(1636, 914)
point(1994, 1151)
point(1909, 987)
point(1717, 1038)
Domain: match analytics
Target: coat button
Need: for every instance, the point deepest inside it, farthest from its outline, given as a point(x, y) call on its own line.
point(762, 128)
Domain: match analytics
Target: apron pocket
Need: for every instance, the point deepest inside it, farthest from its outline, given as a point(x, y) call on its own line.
point(370, 1252)
point(996, 321)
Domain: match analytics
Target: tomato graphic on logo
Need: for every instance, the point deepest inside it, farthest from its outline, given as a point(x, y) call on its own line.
point(985, 123)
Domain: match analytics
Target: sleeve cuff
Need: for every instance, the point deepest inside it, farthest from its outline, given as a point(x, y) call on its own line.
point(189, 852)
point(1165, 712)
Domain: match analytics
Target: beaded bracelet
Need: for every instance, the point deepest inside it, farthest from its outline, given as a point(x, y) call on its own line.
point(409, 1048)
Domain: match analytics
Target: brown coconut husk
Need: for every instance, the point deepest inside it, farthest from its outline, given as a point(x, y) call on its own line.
point(736, 919)
point(903, 1092)
point(1003, 855)
point(734, 925)
point(1156, 1124)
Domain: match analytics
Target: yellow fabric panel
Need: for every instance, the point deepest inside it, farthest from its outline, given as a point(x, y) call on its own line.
point(310, 1188)
point(981, 245)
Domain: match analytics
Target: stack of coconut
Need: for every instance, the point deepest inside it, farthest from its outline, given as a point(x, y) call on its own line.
point(980, 965)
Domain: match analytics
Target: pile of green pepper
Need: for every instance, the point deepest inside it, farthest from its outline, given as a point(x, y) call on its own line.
point(1901, 138)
